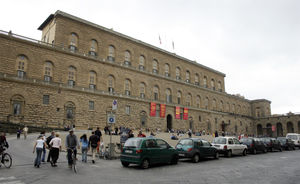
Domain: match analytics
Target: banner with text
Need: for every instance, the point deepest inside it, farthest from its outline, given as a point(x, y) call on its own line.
point(162, 110)
point(185, 113)
point(152, 109)
point(177, 112)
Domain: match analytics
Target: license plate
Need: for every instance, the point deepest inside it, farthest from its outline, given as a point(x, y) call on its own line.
point(181, 155)
point(128, 151)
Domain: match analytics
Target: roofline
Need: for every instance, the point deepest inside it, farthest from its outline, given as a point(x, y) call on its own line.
point(260, 100)
point(58, 12)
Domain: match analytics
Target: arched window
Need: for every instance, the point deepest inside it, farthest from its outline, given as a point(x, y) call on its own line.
point(111, 53)
point(155, 66)
point(212, 83)
point(205, 81)
point(71, 76)
point(127, 86)
point(198, 101)
point(111, 83)
point(21, 65)
point(179, 97)
point(73, 42)
point(17, 105)
point(227, 107)
point(238, 111)
point(142, 90)
point(233, 108)
point(168, 96)
point(206, 101)
point(221, 106)
point(92, 79)
point(214, 104)
point(220, 86)
point(94, 48)
point(127, 58)
point(156, 93)
point(70, 110)
point(197, 79)
point(48, 70)
point(178, 73)
point(189, 100)
point(167, 70)
point(187, 76)
point(142, 62)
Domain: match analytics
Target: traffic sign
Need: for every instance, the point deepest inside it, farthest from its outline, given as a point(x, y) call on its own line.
point(111, 118)
point(114, 105)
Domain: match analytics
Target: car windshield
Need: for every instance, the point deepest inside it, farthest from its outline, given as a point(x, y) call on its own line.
point(246, 141)
point(282, 140)
point(294, 137)
point(186, 142)
point(133, 143)
point(219, 140)
point(266, 140)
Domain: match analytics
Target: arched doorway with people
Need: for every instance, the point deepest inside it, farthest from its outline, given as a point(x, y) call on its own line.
point(259, 130)
point(279, 130)
point(290, 127)
point(169, 122)
point(269, 130)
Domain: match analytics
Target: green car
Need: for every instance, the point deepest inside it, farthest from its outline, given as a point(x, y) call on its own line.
point(195, 148)
point(145, 151)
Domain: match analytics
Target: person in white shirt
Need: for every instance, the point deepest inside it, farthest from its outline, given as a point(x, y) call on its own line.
point(25, 131)
point(55, 144)
point(38, 147)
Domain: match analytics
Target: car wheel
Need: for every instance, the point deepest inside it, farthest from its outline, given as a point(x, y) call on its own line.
point(294, 148)
point(244, 152)
point(196, 158)
point(217, 155)
point(280, 149)
point(289, 148)
point(174, 160)
point(229, 153)
point(254, 151)
point(271, 149)
point(265, 150)
point(125, 164)
point(145, 164)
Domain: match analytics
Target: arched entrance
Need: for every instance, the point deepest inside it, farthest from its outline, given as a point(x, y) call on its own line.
point(223, 126)
point(259, 130)
point(143, 118)
point(279, 130)
point(169, 122)
point(269, 130)
point(290, 127)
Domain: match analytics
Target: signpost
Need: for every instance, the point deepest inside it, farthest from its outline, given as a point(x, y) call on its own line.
point(111, 119)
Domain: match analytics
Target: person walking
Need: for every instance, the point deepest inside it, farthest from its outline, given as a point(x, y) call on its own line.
point(93, 143)
point(71, 144)
point(99, 134)
point(84, 147)
point(25, 131)
point(43, 134)
point(55, 144)
point(48, 140)
point(19, 131)
point(38, 148)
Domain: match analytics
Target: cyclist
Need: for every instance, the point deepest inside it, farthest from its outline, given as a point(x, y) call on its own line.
point(71, 144)
point(3, 142)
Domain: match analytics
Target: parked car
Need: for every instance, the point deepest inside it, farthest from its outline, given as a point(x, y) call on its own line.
point(286, 144)
point(195, 148)
point(271, 144)
point(145, 151)
point(254, 145)
point(229, 146)
point(295, 138)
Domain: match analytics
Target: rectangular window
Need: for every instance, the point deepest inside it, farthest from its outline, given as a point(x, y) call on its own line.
point(46, 99)
point(21, 74)
point(91, 105)
point(71, 83)
point(92, 86)
point(47, 78)
point(17, 108)
point(127, 109)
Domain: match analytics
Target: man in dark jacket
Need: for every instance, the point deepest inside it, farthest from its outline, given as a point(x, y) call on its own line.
point(93, 143)
point(3, 142)
point(71, 144)
point(47, 142)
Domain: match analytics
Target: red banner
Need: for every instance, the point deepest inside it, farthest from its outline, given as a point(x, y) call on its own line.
point(177, 112)
point(162, 110)
point(185, 113)
point(273, 128)
point(153, 109)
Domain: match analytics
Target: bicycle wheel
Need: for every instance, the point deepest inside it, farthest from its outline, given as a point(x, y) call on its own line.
point(74, 163)
point(6, 160)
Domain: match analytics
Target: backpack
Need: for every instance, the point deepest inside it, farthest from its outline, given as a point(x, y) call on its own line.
point(49, 139)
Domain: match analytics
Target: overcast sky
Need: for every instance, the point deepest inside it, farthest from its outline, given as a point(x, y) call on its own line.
point(256, 43)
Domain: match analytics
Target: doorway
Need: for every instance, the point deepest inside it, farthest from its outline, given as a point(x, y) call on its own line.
point(169, 122)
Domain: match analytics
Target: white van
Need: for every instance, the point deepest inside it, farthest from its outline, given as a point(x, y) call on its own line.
point(295, 138)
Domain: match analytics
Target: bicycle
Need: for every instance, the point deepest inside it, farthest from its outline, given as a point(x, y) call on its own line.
point(73, 161)
point(5, 159)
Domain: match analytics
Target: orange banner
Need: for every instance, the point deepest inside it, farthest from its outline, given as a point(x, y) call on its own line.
point(177, 112)
point(185, 113)
point(152, 109)
point(162, 110)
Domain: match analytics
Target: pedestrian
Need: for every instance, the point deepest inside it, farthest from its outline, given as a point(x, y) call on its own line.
point(99, 134)
point(130, 134)
point(71, 144)
point(43, 134)
point(55, 144)
point(38, 147)
point(19, 131)
point(84, 147)
point(25, 131)
point(48, 145)
point(216, 134)
point(141, 134)
point(190, 133)
point(93, 144)
point(123, 139)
